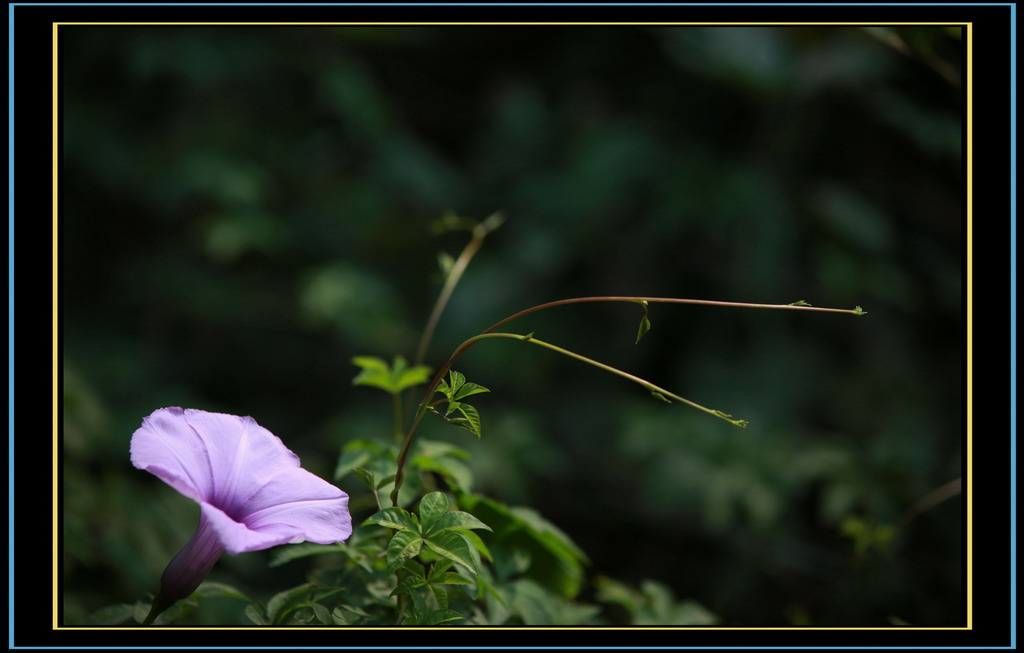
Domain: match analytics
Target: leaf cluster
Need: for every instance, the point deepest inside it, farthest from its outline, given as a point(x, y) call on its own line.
point(455, 389)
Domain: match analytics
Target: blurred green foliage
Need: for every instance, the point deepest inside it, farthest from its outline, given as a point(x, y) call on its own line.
point(245, 209)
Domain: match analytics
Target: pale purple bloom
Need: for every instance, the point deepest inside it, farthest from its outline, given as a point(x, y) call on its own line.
point(251, 491)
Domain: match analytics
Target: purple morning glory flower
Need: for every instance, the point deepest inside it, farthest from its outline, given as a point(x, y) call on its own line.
point(251, 491)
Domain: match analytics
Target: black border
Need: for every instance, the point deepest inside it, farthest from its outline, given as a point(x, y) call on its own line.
point(31, 624)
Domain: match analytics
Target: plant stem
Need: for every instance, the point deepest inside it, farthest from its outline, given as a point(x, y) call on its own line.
point(479, 232)
point(796, 306)
point(647, 385)
point(654, 389)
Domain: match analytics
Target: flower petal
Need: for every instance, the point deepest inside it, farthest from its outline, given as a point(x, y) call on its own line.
point(298, 507)
point(243, 456)
point(249, 485)
point(165, 446)
point(236, 537)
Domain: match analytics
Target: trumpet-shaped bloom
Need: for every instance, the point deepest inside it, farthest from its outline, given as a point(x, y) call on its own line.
point(251, 491)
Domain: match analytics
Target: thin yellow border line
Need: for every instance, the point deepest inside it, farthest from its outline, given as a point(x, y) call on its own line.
point(970, 494)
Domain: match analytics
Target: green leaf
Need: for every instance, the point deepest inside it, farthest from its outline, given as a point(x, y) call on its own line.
point(468, 389)
point(432, 507)
point(393, 379)
point(438, 617)
point(658, 395)
point(403, 545)
point(554, 561)
point(457, 519)
point(415, 569)
point(473, 418)
point(453, 546)
point(395, 517)
point(407, 585)
point(348, 616)
point(470, 420)
point(323, 615)
point(456, 382)
point(407, 377)
point(375, 372)
point(452, 407)
point(256, 615)
point(278, 604)
point(356, 453)
point(456, 473)
point(366, 476)
point(478, 544)
point(645, 323)
point(440, 595)
point(445, 261)
point(448, 578)
point(799, 302)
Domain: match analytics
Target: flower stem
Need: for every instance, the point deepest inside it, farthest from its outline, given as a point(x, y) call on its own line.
point(479, 232)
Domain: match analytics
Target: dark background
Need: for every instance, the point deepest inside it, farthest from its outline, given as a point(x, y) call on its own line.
point(243, 209)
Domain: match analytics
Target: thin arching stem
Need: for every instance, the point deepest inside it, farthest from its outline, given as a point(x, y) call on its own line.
point(479, 232)
point(657, 391)
point(796, 306)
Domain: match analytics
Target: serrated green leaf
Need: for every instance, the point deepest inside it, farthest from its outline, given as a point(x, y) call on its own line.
point(395, 517)
point(451, 545)
point(403, 545)
point(456, 519)
point(432, 507)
